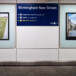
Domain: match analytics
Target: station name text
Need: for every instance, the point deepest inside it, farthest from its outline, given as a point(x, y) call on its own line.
point(36, 8)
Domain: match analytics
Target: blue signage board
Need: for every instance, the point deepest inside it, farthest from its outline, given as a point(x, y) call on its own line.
point(33, 14)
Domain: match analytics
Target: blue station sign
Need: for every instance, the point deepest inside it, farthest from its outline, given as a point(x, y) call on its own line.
point(33, 14)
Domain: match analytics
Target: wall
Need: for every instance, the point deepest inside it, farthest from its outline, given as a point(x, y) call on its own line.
point(37, 43)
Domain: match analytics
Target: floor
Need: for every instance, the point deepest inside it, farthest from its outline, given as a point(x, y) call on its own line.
point(37, 70)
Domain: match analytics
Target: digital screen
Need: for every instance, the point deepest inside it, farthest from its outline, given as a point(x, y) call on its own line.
point(70, 26)
point(4, 26)
point(34, 14)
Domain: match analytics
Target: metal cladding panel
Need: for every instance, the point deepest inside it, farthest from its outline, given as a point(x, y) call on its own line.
point(37, 1)
point(7, 1)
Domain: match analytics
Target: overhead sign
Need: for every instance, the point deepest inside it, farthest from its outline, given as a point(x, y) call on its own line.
point(37, 14)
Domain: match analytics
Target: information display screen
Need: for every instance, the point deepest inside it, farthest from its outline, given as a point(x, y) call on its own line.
point(34, 14)
point(4, 26)
point(70, 26)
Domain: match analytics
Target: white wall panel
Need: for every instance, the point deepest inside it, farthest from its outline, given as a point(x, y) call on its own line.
point(67, 1)
point(67, 54)
point(33, 55)
point(7, 1)
point(37, 37)
point(7, 55)
point(37, 1)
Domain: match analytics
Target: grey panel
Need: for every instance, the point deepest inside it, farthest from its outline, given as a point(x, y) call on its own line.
point(67, 1)
point(7, 1)
point(37, 1)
